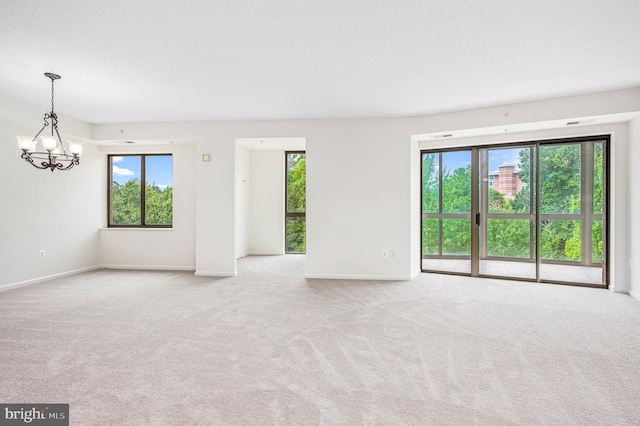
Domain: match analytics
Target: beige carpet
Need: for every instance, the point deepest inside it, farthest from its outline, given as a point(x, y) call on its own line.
point(269, 347)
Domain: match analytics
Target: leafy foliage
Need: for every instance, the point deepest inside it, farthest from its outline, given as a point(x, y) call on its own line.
point(159, 205)
point(508, 238)
point(126, 204)
point(456, 190)
point(296, 235)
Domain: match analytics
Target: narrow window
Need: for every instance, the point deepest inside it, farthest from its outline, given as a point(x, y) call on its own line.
point(295, 202)
point(140, 190)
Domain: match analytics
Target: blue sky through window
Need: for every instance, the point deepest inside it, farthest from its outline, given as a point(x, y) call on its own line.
point(497, 157)
point(159, 169)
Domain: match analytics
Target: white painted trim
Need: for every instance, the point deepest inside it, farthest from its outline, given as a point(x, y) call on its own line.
point(264, 253)
point(47, 278)
point(215, 274)
point(635, 295)
point(359, 277)
point(151, 267)
point(145, 229)
point(415, 274)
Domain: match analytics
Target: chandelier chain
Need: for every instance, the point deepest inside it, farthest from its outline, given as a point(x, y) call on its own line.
point(52, 80)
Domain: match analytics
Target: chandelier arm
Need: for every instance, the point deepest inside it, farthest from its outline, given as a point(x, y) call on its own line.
point(55, 127)
point(29, 159)
point(46, 123)
point(52, 162)
point(72, 162)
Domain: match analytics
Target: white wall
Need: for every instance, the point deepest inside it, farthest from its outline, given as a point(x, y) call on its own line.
point(358, 200)
point(362, 195)
point(215, 208)
point(158, 248)
point(266, 216)
point(59, 211)
point(634, 207)
point(243, 168)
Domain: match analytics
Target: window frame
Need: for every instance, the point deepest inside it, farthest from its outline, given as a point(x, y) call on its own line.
point(143, 186)
point(287, 213)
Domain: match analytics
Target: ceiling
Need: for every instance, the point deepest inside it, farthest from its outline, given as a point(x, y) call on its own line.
point(124, 61)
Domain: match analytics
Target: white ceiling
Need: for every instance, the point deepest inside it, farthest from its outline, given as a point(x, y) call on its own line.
point(199, 60)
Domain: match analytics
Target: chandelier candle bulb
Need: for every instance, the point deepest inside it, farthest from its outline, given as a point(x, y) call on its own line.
point(49, 142)
point(76, 147)
point(26, 143)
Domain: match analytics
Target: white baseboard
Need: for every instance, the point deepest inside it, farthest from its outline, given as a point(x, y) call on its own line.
point(359, 277)
point(47, 278)
point(150, 267)
point(415, 274)
point(215, 274)
point(264, 253)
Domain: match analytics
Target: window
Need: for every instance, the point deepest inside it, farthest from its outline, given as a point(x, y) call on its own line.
point(132, 204)
point(295, 202)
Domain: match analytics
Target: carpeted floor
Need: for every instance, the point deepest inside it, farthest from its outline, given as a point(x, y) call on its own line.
point(269, 347)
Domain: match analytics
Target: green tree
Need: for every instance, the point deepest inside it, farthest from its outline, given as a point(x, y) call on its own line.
point(297, 183)
point(456, 190)
point(498, 203)
point(508, 238)
point(159, 205)
point(126, 204)
point(560, 178)
point(430, 187)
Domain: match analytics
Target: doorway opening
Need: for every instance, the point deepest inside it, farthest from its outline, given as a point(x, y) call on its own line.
point(260, 196)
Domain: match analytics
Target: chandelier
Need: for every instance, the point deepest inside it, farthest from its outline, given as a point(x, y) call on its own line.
point(54, 155)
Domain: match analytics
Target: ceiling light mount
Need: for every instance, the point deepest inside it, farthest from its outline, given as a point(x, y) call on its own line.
point(52, 76)
point(54, 156)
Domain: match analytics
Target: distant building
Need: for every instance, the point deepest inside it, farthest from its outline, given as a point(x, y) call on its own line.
point(506, 181)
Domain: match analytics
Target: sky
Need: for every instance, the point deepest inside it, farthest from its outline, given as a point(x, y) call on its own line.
point(497, 157)
point(158, 168)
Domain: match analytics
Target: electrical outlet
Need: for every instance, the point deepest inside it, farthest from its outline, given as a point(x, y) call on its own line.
point(385, 253)
point(43, 254)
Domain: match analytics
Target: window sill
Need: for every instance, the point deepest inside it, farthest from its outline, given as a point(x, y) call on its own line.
point(135, 229)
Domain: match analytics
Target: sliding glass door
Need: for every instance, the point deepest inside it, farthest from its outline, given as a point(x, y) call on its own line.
point(507, 212)
point(571, 211)
point(446, 211)
point(531, 211)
